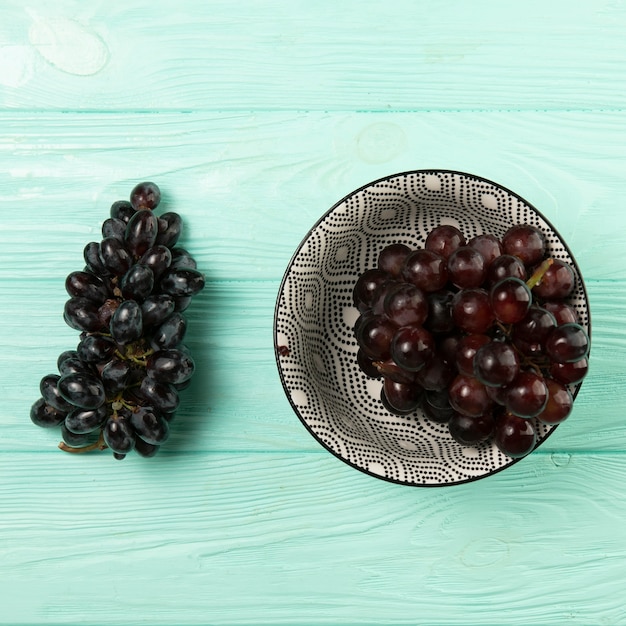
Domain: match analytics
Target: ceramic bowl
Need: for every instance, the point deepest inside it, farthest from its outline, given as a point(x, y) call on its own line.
point(314, 317)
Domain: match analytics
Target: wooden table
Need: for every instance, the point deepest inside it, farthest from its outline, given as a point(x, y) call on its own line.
point(255, 118)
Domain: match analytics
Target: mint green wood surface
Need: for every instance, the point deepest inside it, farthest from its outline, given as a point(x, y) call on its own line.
point(255, 118)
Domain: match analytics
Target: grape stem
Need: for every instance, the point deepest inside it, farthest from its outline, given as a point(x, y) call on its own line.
point(98, 445)
point(538, 274)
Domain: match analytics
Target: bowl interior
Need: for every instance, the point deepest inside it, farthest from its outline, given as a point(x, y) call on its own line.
point(314, 318)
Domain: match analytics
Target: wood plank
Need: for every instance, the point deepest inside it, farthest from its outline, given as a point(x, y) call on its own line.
point(249, 196)
point(312, 56)
point(299, 539)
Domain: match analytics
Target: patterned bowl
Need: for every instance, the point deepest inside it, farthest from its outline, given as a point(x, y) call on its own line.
point(314, 317)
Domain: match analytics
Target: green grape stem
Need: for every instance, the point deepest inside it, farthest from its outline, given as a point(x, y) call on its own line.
point(538, 274)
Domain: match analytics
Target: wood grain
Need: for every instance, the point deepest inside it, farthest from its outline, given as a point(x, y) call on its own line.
point(276, 55)
point(299, 539)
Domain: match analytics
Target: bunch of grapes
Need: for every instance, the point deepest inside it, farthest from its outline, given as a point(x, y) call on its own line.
point(119, 389)
point(478, 334)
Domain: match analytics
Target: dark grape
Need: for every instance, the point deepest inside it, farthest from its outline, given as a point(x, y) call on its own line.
point(466, 350)
point(506, 266)
point(170, 228)
point(374, 337)
point(412, 347)
point(137, 283)
point(557, 282)
point(405, 304)
point(525, 242)
point(392, 257)
point(158, 259)
point(569, 373)
point(510, 300)
point(113, 227)
point(82, 314)
point(83, 421)
point(150, 426)
point(496, 364)
point(77, 441)
point(44, 415)
point(141, 232)
point(426, 270)
point(468, 396)
point(567, 343)
point(441, 415)
point(155, 309)
point(144, 449)
point(563, 313)
point(87, 285)
point(390, 369)
point(439, 317)
point(162, 396)
point(82, 390)
point(182, 259)
point(145, 195)
point(471, 311)
point(50, 393)
point(527, 395)
point(115, 376)
point(514, 436)
point(91, 255)
point(471, 431)
point(466, 268)
point(559, 405)
point(367, 365)
point(489, 247)
point(126, 324)
point(170, 366)
point(66, 354)
point(401, 398)
point(122, 210)
point(95, 349)
point(444, 240)
point(118, 434)
point(73, 365)
point(436, 375)
point(114, 256)
point(182, 282)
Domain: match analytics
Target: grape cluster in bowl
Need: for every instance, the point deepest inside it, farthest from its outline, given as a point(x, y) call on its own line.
point(119, 389)
point(476, 333)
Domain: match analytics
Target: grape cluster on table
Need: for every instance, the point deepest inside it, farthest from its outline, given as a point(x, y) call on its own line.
point(478, 334)
point(119, 389)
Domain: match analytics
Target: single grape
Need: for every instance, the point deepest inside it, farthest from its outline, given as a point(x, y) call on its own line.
point(510, 300)
point(567, 343)
point(83, 421)
point(563, 313)
point(569, 373)
point(94, 264)
point(144, 449)
point(158, 259)
point(514, 436)
point(441, 415)
point(467, 395)
point(95, 349)
point(374, 337)
point(527, 395)
point(506, 266)
point(118, 434)
point(77, 441)
point(367, 365)
point(146, 195)
point(529, 334)
point(137, 283)
point(170, 228)
point(126, 324)
point(496, 364)
point(66, 354)
point(466, 268)
point(82, 314)
point(438, 399)
point(412, 347)
point(526, 242)
point(489, 247)
point(392, 257)
point(85, 284)
point(471, 431)
point(437, 374)
point(444, 240)
point(466, 350)
point(472, 311)
point(82, 390)
point(182, 259)
point(161, 396)
point(390, 369)
point(182, 282)
point(141, 232)
point(114, 256)
point(114, 227)
point(559, 405)
point(401, 398)
point(557, 282)
point(426, 270)
point(115, 376)
point(122, 210)
point(73, 365)
point(170, 366)
point(405, 304)
point(44, 415)
point(155, 309)
point(150, 426)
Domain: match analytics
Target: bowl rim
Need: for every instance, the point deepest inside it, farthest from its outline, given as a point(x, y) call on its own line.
point(277, 354)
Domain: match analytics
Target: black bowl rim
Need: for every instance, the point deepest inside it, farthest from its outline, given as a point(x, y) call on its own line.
point(277, 355)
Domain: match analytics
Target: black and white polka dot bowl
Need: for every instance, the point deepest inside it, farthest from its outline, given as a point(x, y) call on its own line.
point(314, 318)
